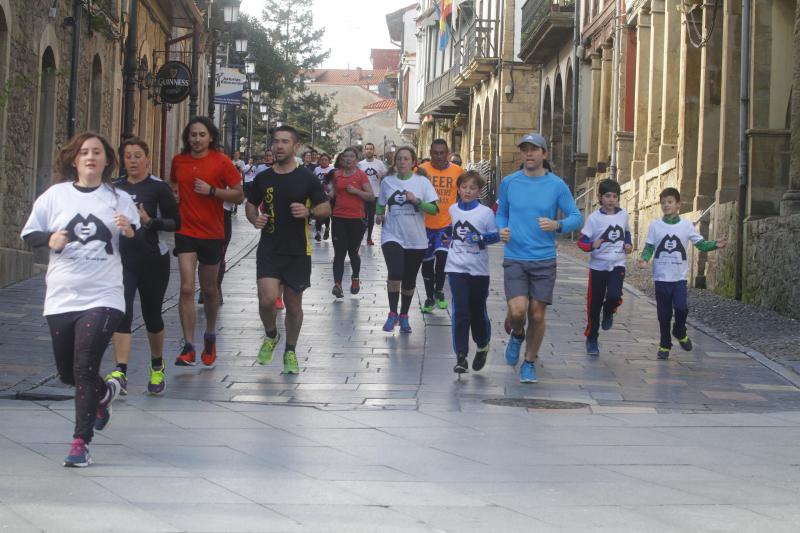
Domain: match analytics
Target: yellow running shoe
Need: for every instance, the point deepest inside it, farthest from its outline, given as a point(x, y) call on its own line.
point(267, 348)
point(290, 365)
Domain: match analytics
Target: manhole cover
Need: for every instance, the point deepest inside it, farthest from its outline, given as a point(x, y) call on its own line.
point(534, 403)
point(41, 397)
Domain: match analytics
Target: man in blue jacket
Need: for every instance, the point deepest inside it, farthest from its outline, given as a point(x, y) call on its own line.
point(529, 202)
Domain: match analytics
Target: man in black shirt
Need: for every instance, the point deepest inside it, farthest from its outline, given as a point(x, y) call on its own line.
point(279, 204)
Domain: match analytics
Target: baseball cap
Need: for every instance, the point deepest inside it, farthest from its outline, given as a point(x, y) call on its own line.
point(535, 139)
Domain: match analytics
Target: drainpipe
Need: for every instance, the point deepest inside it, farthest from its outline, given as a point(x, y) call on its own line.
point(130, 70)
point(194, 89)
point(743, 163)
point(615, 90)
point(73, 77)
point(576, 78)
point(212, 78)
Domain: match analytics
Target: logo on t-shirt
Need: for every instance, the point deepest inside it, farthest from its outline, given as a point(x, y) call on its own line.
point(671, 244)
point(462, 229)
point(398, 198)
point(613, 234)
point(91, 228)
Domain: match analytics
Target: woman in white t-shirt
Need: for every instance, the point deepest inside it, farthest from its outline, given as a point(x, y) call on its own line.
point(404, 199)
point(81, 218)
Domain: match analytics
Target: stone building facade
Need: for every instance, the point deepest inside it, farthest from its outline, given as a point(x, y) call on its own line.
point(36, 39)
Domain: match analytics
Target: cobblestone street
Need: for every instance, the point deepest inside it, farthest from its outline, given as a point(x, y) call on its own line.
point(377, 434)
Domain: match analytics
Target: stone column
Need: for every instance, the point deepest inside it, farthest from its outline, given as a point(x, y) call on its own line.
point(604, 135)
point(594, 123)
point(790, 203)
point(642, 93)
point(652, 159)
point(673, 23)
point(728, 163)
point(709, 127)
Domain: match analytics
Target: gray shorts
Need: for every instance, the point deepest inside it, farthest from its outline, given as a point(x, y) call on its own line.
point(533, 279)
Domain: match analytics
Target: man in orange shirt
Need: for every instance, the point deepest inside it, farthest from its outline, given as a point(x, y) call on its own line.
point(443, 176)
point(202, 178)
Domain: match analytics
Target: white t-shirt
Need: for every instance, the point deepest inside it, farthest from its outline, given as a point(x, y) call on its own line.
point(375, 171)
point(404, 222)
point(611, 228)
point(321, 172)
point(670, 262)
point(464, 256)
point(87, 273)
point(250, 172)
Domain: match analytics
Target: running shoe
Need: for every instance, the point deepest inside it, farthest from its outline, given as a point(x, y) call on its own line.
point(279, 304)
point(686, 343)
point(186, 358)
point(209, 354)
point(405, 327)
point(337, 290)
point(391, 322)
point(355, 286)
point(318, 237)
point(592, 347)
point(370, 242)
point(79, 456)
point(512, 350)
point(267, 349)
point(121, 378)
point(608, 321)
point(440, 301)
point(290, 365)
point(157, 382)
point(663, 353)
point(427, 307)
point(462, 365)
point(527, 372)
point(103, 415)
point(480, 357)
point(326, 235)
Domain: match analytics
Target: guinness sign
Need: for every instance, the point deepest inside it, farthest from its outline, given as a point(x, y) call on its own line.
point(175, 82)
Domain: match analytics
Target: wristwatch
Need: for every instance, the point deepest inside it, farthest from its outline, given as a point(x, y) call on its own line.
point(212, 190)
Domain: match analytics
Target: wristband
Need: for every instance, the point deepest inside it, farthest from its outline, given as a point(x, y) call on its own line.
point(212, 190)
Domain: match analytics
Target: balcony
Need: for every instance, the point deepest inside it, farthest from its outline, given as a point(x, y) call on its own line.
point(546, 26)
point(477, 52)
point(442, 97)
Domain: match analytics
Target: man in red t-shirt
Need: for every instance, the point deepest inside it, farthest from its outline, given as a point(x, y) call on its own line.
point(202, 178)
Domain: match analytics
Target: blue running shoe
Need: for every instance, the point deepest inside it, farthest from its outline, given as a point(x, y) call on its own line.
point(608, 321)
point(405, 326)
point(527, 372)
point(512, 350)
point(592, 347)
point(391, 322)
point(79, 456)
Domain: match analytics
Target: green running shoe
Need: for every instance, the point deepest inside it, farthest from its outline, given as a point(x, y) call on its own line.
point(157, 382)
point(440, 301)
point(427, 307)
point(121, 378)
point(267, 347)
point(290, 365)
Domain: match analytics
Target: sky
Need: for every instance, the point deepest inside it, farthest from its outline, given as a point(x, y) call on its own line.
point(352, 28)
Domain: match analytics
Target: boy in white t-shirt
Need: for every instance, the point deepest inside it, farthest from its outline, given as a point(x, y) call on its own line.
point(666, 243)
point(607, 236)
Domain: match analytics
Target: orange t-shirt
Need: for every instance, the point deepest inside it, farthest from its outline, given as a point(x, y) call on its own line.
point(444, 181)
point(201, 216)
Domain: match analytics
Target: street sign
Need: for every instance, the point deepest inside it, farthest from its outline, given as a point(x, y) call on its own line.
point(175, 82)
point(230, 85)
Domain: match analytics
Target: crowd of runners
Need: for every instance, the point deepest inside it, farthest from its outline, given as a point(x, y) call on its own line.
point(106, 241)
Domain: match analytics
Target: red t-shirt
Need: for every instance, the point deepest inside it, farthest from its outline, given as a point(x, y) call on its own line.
point(349, 205)
point(201, 216)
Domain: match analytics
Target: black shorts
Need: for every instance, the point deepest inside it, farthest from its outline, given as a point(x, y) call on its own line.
point(209, 251)
point(294, 271)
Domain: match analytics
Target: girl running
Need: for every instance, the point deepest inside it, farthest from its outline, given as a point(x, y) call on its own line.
point(468, 270)
point(350, 189)
point(404, 199)
point(80, 218)
point(145, 262)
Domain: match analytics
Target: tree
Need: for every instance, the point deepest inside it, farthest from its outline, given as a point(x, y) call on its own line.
point(313, 113)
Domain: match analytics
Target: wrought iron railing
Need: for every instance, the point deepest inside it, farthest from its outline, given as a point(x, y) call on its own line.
point(535, 13)
point(479, 41)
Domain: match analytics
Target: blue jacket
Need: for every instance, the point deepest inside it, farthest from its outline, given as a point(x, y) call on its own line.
point(522, 201)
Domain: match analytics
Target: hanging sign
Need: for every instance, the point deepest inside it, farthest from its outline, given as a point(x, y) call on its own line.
point(175, 82)
point(230, 86)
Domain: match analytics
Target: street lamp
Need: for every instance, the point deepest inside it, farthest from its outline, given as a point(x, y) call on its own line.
point(230, 11)
point(255, 82)
point(263, 108)
point(250, 64)
point(240, 44)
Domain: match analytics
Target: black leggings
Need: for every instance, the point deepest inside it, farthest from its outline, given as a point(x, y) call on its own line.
point(79, 340)
point(150, 278)
point(369, 207)
point(228, 234)
point(402, 264)
point(433, 273)
point(322, 222)
point(347, 235)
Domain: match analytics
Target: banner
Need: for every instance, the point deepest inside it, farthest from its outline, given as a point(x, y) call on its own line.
point(230, 85)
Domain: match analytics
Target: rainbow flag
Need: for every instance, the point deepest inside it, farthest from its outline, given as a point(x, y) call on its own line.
point(445, 12)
